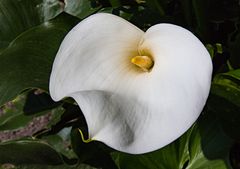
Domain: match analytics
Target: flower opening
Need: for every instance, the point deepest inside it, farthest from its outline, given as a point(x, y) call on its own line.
point(144, 62)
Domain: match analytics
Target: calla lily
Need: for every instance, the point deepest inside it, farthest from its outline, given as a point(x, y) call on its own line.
point(138, 91)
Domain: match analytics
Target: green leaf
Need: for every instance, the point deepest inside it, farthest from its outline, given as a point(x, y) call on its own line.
point(13, 116)
point(227, 85)
point(80, 8)
point(16, 16)
point(234, 74)
point(28, 152)
point(56, 115)
point(27, 62)
point(224, 101)
point(62, 143)
point(208, 145)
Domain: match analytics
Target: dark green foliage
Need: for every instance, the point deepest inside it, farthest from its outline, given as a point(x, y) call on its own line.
point(28, 152)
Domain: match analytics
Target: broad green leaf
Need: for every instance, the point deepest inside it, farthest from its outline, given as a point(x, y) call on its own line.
point(234, 74)
point(208, 145)
point(27, 61)
point(16, 16)
point(61, 143)
point(227, 85)
point(13, 117)
point(28, 152)
point(225, 101)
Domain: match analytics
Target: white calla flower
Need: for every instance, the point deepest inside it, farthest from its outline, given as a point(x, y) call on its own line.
point(138, 91)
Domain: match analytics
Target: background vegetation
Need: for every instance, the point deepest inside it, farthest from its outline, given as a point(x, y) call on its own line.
point(36, 132)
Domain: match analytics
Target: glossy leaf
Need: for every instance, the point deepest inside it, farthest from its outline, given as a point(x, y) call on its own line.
point(208, 145)
point(13, 116)
point(62, 143)
point(27, 62)
point(227, 85)
point(225, 101)
point(28, 152)
point(234, 74)
point(18, 16)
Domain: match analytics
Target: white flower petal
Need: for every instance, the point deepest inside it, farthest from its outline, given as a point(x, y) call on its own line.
point(92, 55)
point(131, 110)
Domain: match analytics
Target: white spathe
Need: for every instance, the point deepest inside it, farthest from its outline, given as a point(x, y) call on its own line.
point(126, 108)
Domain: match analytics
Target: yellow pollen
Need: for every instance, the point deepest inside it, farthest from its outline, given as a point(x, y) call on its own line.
point(143, 62)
